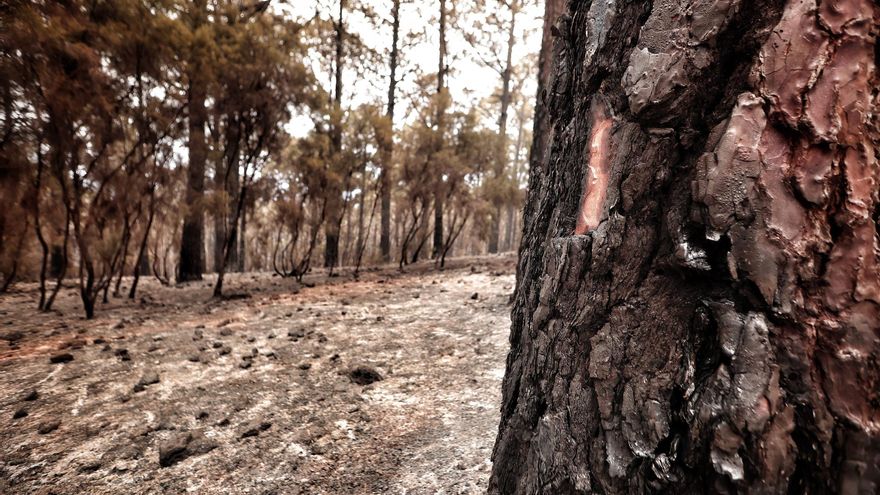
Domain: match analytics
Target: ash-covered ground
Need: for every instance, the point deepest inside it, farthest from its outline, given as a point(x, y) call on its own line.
point(386, 384)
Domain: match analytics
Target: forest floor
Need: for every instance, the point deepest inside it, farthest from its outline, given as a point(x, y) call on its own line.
point(264, 392)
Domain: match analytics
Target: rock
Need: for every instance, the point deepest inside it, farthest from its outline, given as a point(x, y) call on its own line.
point(63, 357)
point(245, 364)
point(118, 325)
point(305, 366)
point(296, 334)
point(226, 332)
point(251, 340)
point(19, 413)
point(122, 354)
point(99, 341)
point(89, 467)
point(225, 350)
point(364, 375)
point(200, 445)
point(202, 415)
point(194, 358)
point(48, 426)
point(174, 449)
point(198, 334)
point(13, 336)
point(217, 345)
point(475, 296)
point(254, 428)
point(31, 396)
point(148, 378)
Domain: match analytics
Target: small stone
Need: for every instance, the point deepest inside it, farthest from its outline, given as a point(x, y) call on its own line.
point(245, 364)
point(297, 334)
point(99, 341)
point(64, 357)
point(254, 428)
point(31, 396)
point(122, 354)
point(202, 415)
point(217, 345)
point(226, 332)
point(148, 378)
point(12, 336)
point(364, 375)
point(174, 449)
point(251, 339)
point(89, 467)
point(475, 296)
point(225, 350)
point(305, 366)
point(19, 413)
point(48, 426)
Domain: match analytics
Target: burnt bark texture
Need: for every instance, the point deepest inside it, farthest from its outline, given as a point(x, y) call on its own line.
point(716, 327)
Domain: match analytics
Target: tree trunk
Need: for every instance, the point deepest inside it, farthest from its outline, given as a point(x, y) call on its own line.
point(335, 210)
point(501, 158)
point(241, 250)
point(441, 118)
point(192, 244)
point(699, 290)
point(542, 128)
point(388, 141)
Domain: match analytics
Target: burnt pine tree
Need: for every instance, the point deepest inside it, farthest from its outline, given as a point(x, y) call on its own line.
point(699, 300)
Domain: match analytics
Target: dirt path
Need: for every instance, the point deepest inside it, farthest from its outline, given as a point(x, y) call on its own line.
point(257, 395)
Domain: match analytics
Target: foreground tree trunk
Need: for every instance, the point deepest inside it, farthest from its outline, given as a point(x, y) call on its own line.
point(698, 307)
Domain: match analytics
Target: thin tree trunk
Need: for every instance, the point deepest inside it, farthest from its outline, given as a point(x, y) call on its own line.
point(241, 251)
point(700, 281)
point(142, 250)
point(192, 244)
point(501, 157)
point(388, 141)
point(335, 210)
point(441, 131)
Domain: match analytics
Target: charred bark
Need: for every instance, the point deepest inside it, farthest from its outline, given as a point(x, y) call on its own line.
point(388, 140)
point(192, 243)
point(335, 208)
point(698, 304)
